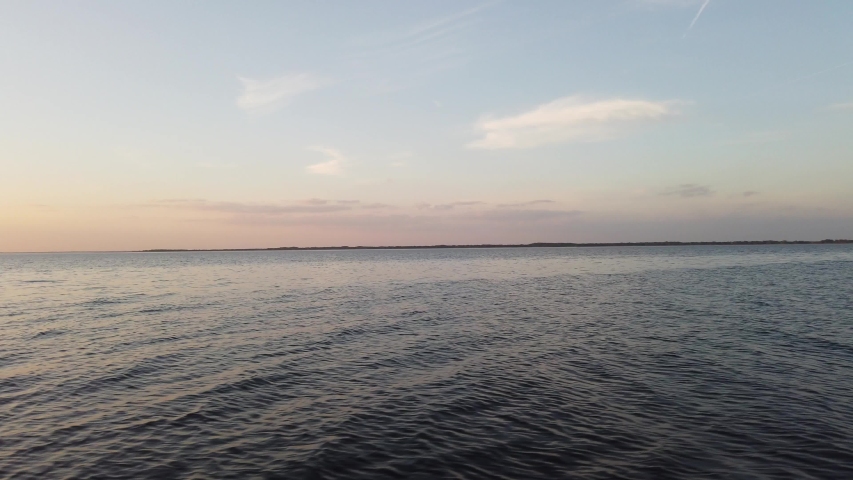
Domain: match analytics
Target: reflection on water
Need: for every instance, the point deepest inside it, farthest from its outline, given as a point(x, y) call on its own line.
point(672, 362)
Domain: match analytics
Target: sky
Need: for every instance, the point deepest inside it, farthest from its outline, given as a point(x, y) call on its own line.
point(192, 124)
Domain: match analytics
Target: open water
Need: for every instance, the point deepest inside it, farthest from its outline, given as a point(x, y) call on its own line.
point(635, 363)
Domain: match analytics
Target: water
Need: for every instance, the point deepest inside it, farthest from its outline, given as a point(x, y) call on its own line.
point(693, 362)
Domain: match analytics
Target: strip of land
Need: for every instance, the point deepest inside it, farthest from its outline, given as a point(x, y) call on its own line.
point(525, 245)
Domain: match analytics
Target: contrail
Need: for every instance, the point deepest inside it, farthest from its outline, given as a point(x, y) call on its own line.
point(698, 14)
point(815, 74)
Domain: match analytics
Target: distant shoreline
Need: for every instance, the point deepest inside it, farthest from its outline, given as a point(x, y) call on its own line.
point(525, 245)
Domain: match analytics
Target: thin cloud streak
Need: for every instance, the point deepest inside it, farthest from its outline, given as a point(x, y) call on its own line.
point(689, 190)
point(427, 32)
point(569, 119)
point(494, 219)
point(434, 24)
point(333, 166)
point(377, 206)
point(265, 95)
point(845, 107)
point(362, 216)
point(405, 56)
point(524, 204)
point(820, 72)
point(452, 205)
point(203, 205)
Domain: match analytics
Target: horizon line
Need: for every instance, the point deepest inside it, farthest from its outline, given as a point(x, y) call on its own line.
point(841, 241)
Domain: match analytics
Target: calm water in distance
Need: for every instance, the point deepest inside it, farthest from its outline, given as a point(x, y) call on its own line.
point(635, 363)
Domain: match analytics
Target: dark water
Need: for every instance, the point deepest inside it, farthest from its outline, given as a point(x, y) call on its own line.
point(700, 362)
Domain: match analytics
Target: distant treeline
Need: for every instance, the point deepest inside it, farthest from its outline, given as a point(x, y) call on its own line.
point(526, 245)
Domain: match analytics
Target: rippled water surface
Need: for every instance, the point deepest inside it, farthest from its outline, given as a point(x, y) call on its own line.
point(677, 362)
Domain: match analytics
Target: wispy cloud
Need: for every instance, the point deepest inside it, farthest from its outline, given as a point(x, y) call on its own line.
point(452, 205)
point(401, 57)
point(569, 119)
point(430, 31)
point(491, 221)
point(529, 216)
point(689, 190)
point(246, 208)
point(750, 193)
point(437, 27)
point(333, 166)
point(270, 94)
point(326, 213)
point(524, 204)
point(377, 206)
point(448, 206)
point(846, 107)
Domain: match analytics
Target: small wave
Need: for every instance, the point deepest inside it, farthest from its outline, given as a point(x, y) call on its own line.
point(102, 301)
point(48, 333)
point(166, 308)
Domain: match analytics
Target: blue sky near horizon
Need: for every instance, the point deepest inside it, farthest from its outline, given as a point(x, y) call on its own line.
point(222, 124)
